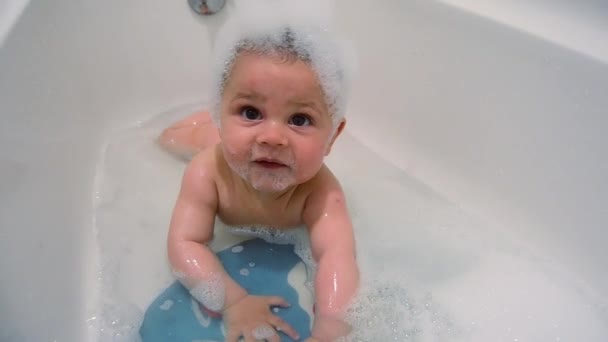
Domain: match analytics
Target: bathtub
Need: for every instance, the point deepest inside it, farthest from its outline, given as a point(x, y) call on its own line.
point(499, 109)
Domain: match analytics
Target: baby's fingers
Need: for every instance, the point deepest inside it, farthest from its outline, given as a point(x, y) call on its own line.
point(277, 301)
point(281, 325)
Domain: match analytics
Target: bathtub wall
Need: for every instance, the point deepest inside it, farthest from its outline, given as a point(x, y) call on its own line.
point(70, 73)
point(504, 118)
point(507, 124)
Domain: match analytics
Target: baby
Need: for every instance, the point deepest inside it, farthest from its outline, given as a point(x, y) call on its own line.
point(257, 161)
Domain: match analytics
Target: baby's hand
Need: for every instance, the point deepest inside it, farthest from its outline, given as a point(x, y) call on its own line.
point(251, 318)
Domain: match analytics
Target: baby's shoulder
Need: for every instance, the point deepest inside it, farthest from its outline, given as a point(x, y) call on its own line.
point(325, 180)
point(206, 157)
point(324, 184)
point(325, 195)
point(202, 167)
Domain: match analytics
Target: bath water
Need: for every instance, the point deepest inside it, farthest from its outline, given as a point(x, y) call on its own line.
point(430, 271)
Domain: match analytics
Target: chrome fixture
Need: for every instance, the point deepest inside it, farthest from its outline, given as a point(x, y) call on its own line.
point(206, 7)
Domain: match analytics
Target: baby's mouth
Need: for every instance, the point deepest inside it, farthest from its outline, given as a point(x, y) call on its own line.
point(269, 163)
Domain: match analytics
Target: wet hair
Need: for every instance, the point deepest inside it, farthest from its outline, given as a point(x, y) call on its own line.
point(287, 35)
point(283, 51)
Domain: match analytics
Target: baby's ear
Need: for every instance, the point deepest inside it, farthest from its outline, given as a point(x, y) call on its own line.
point(338, 131)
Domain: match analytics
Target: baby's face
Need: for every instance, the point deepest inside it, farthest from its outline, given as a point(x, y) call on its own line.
point(275, 125)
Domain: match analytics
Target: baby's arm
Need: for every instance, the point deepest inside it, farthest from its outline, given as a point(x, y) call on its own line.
point(199, 269)
point(333, 247)
point(190, 231)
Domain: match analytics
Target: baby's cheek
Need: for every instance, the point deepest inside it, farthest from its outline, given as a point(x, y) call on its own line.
point(312, 158)
point(230, 150)
point(233, 144)
point(234, 154)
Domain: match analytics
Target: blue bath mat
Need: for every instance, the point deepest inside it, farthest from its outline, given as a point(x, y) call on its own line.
point(260, 267)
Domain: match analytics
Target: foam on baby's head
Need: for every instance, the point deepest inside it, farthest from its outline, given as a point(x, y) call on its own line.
point(287, 29)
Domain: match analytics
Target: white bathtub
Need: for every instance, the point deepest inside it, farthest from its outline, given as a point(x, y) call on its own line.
point(500, 109)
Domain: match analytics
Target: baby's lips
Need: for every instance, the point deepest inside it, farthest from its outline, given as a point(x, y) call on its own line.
point(268, 163)
point(269, 160)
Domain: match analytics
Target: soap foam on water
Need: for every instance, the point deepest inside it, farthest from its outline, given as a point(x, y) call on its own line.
point(429, 272)
point(137, 184)
point(210, 293)
point(388, 309)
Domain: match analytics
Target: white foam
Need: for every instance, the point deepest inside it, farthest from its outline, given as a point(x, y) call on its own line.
point(178, 274)
point(166, 305)
point(210, 292)
point(119, 322)
point(387, 309)
point(262, 25)
point(263, 332)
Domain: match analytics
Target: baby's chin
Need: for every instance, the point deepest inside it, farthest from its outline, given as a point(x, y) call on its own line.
point(271, 184)
point(264, 181)
point(271, 189)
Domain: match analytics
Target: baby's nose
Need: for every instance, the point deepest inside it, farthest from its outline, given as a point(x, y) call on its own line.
point(272, 134)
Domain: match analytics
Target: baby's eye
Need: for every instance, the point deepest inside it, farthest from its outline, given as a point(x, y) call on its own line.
point(300, 120)
point(251, 113)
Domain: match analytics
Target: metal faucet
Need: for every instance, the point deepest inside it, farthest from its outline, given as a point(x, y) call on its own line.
point(206, 7)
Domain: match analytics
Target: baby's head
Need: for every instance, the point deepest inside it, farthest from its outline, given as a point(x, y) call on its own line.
point(280, 98)
point(287, 32)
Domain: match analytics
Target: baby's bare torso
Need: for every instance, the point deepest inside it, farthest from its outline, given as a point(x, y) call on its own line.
point(239, 205)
